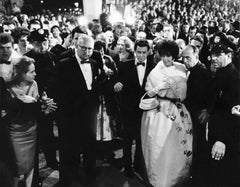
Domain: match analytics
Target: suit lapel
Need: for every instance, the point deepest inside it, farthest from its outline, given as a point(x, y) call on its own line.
point(135, 73)
point(147, 71)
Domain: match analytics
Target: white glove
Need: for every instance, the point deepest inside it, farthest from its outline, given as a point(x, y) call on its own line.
point(236, 110)
point(218, 150)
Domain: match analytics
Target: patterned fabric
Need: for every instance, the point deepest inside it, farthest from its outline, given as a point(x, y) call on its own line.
point(104, 123)
point(166, 131)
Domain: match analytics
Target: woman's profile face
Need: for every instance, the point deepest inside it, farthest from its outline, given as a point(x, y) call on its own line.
point(30, 75)
point(167, 60)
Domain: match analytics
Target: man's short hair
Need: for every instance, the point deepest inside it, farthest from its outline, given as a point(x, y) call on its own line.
point(6, 38)
point(141, 43)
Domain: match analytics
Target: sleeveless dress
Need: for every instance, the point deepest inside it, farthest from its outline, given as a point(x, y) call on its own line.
point(21, 129)
point(166, 129)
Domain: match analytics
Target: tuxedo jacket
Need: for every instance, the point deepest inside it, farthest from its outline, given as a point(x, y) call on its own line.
point(2, 92)
point(75, 101)
point(132, 90)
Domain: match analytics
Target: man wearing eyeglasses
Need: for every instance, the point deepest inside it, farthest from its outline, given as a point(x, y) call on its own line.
point(78, 84)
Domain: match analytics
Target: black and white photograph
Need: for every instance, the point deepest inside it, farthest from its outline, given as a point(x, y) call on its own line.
point(119, 93)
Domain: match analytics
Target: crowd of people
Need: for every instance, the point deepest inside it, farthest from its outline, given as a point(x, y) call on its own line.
point(168, 83)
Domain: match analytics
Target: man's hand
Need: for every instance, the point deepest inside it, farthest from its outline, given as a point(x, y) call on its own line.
point(118, 87)
point(203, 116)
point(218, 150)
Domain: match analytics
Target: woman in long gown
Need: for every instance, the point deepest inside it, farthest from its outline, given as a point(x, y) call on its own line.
point(21, 106)
point(166, 128)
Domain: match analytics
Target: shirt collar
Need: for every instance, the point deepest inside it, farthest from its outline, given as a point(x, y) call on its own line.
point(136, 61)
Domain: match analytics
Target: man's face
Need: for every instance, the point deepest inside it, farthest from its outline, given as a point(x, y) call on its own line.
point(5, 51)
point(192, 33)
point(175, 27)
point(141, 53)
point(185, 28)
point(8, 28)
point(197, 44)
point(75, 39)
point(23, 41)
point(218, 60)
point(189, 58)
point(85, 49)
point(168, 33)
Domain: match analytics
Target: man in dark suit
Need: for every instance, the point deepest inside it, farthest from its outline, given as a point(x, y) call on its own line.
point(131, 84)
point(184, 32)
point(223, 135)
point(45, 64)
point(79, 79)
point(197, 87)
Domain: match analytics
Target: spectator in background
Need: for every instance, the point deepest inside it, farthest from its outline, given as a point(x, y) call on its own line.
point(124, 48)
point(184, 32)
point(181, 45)
point(34, 24)
point(20, 35)
point(8, 26)
point(55, 30)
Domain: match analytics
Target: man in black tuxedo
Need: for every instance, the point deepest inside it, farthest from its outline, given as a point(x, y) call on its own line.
point(131, 84)
point(79, 79)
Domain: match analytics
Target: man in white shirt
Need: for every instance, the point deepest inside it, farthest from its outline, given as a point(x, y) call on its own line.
point(78, 85)
point(131, 83)
point(8, 57)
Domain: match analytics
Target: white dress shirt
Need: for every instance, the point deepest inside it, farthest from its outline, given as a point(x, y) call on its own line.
point(86, 71)
point(6, 70)
point(141, 71)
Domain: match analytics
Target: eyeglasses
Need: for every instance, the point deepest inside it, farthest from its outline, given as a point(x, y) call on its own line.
point(86, 48)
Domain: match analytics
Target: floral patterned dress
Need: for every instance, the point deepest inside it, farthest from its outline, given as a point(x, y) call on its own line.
point(166, 129)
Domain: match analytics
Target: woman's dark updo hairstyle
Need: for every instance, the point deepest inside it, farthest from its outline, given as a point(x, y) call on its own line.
point(168, 48)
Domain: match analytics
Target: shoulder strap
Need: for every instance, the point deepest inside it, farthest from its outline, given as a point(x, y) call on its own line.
point(30, 86)
point(12, 92)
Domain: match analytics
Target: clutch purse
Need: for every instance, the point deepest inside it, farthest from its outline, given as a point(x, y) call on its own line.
point(148, 103)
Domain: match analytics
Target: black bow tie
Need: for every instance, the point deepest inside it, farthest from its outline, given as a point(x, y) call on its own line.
point(5, 62)
point(140, 64)
point(85, 62)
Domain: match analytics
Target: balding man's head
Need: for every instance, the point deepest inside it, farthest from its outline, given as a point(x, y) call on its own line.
point(190, 56)
point(85, 45)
